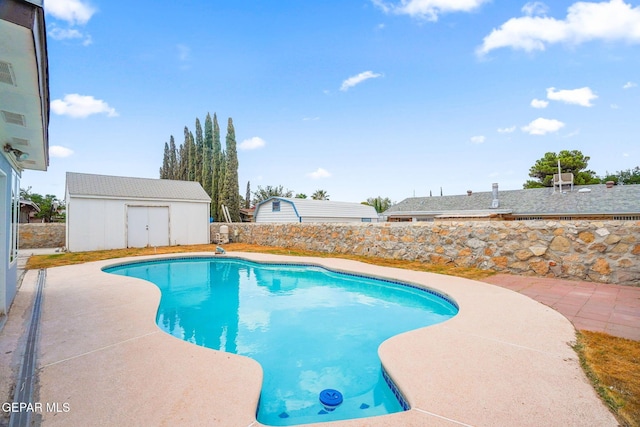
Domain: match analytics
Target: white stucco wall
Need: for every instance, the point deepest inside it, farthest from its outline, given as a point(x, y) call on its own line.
point(101, 223)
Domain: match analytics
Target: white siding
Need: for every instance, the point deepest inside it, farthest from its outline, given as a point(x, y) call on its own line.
point(189, 223)
point(328, 219)
point(287, 213)
point(97, 224)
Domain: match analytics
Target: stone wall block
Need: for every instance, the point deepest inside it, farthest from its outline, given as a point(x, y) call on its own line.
point(560, 244)
point(581, 250)
point(41, 235)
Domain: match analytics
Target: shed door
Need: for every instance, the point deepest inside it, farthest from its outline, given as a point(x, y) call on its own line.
point(147, 226)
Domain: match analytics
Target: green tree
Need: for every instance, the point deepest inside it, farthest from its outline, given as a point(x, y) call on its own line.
point(570, 162)
point(379, 204)
point(300, 196)
point(320, 195)
point(183, 163)
point(199, 143)
point(231, 192)
point(50, 206)
point(626, 177)
point(223, 167)
point(247, 198)
point(173, 160)
point(164, 170)
point(262, 194)
point(207, 160)
point(216, 166)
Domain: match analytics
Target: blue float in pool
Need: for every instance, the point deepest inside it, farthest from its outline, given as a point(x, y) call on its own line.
point(330, 399)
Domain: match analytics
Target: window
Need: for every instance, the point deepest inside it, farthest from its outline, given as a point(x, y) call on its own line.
point(366, 219)
point(275, 206)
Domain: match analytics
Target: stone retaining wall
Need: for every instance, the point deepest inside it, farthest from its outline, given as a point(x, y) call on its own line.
point(599, 251)
point(41, 235)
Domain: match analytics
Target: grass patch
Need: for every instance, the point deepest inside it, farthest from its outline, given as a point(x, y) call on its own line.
point(70, 258)
point(613, 366)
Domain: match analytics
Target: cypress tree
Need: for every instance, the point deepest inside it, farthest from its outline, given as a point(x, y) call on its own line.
point(216, 165)
point(183, 163)
point(206, 155)
point(173, 161)
point(193, 156)
point(222, 168)
point(247, 197)
point(164, 170)
point(231, 193)
point(199, 153)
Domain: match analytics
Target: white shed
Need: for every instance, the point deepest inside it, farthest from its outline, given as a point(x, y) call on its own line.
point(114, 212)
point(282, 209)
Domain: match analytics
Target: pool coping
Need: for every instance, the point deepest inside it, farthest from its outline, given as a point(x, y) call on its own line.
point(504, 359)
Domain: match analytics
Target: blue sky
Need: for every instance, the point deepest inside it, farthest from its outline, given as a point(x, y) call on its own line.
point(361, 98)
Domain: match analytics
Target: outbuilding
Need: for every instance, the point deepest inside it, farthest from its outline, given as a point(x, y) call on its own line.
point(114, 212)
point(283, 209)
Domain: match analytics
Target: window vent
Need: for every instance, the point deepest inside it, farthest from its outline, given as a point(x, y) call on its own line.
point(6, 74)
point(20, 141)
point(14, 118)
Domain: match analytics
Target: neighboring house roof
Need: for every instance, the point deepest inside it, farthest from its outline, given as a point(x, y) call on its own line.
point(584, 199)
point(31, 205)
point(104, 186)
point(326, 208)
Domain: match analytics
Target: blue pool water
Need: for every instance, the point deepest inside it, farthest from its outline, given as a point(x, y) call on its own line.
point(311, 329)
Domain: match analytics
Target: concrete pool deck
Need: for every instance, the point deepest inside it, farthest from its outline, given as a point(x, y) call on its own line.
point(505, 359)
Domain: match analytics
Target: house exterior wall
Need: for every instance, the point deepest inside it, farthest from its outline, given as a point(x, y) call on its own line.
point(318, 219)
point(8, 263)
point(97, 223)
point(287, 212)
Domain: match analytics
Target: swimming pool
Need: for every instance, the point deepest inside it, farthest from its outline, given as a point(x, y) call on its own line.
point(311, 329)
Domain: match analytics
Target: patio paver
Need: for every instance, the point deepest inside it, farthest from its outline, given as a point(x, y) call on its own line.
point(600, 307)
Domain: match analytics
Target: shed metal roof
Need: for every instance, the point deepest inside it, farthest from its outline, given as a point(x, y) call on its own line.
point(593, 199)
point(105, 186)
point(327, 208)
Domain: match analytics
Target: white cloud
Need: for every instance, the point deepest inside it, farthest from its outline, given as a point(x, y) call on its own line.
point(542, 126)
point(319, 173)
point(539, 103)
point(629, 85)
point(354, 80)
point(428, 9)
point(535, 8)
point(609, 21)
point(72, 11)
point(60, 151)
point(252, 143)
point(478, 139)
point(81, 106)
point(507, 130)
point(615, 106)
point(582, 96)
point(58, 33)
